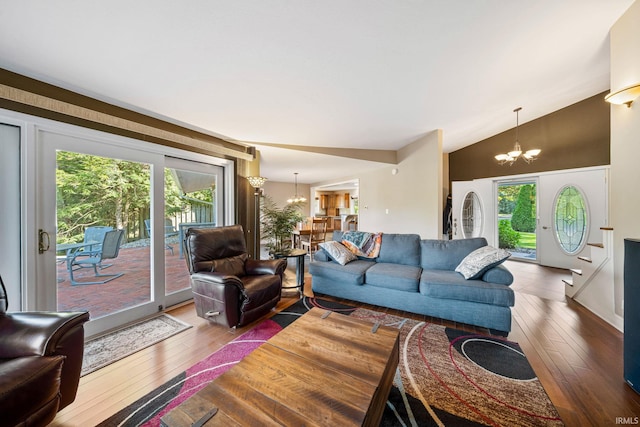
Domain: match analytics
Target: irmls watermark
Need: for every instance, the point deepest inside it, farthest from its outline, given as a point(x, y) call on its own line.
point(627, 420)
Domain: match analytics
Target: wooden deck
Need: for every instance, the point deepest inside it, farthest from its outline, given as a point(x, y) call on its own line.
point(129, 290)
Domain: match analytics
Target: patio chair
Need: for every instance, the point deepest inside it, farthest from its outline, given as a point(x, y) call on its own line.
point(93, 237)
point(96, 234)
point(169, 231)
point(108, 249)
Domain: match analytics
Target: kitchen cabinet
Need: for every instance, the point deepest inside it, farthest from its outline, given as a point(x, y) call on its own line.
point(324, 201)
point(331, 203)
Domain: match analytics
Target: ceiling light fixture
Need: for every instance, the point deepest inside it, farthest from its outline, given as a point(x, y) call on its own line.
point(624, 96)
point(296, 198)
point(513, 155)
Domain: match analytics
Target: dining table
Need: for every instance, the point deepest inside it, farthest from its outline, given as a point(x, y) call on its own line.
point(300, 233)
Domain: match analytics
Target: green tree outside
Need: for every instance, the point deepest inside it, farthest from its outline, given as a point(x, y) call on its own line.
point(94, 190)
point(524, 214)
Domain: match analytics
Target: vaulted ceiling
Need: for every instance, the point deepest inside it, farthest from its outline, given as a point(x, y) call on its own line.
point(361, 74)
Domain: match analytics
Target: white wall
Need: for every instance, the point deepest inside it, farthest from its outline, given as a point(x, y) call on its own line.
point(281, 191)
point(411, 200)
point(625, 142)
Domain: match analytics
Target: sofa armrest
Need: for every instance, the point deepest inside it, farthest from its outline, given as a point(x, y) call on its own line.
point(255, 267)
point(499, 275)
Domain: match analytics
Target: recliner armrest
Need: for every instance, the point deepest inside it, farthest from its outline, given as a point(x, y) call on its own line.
point(214, 277)
point(36, 333)
point(255, 267)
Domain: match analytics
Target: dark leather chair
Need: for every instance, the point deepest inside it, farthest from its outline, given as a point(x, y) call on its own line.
point(40, 363)
point(229, 288)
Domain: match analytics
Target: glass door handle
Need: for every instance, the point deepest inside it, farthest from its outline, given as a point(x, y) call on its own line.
point(43, 241)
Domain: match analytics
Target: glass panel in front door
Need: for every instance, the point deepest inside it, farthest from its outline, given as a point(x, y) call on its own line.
point(103, 258)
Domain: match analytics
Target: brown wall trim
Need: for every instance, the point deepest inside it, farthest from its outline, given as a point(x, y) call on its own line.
point(29, 96)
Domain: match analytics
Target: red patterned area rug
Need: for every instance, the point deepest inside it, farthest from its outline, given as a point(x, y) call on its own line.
point(446, 377)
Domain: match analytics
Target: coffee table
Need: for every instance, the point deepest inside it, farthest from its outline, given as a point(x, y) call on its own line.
point(324, 369)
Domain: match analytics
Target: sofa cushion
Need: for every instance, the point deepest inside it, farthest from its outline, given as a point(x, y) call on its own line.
point(447, 254)
point(477, 262)
point(350, 274)
point(394, 276)
point(451, 285)
point(338, 252)
point(400, 249)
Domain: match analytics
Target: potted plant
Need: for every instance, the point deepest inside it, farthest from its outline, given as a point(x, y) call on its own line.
point(277, 225)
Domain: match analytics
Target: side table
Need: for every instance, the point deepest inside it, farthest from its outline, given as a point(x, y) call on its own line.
point(299, 255)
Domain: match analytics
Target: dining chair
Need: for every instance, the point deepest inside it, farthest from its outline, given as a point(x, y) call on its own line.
point(318, 235)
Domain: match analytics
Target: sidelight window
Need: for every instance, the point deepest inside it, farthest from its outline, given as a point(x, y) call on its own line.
point(570, 219)
point(471, 216)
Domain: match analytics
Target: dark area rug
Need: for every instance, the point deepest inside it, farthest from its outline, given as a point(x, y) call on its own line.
point(445, 376)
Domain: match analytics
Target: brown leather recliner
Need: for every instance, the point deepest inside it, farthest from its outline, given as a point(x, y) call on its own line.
point(40, 363)
point(229, 288)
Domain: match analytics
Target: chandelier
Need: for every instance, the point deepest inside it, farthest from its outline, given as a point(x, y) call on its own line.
point(296, 198)
point(513, 155)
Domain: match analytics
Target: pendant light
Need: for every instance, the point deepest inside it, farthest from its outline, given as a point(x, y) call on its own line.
point(513, 155)
point(296, 198)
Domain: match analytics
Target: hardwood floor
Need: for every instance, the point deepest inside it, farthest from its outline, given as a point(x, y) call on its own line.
point(577, 356)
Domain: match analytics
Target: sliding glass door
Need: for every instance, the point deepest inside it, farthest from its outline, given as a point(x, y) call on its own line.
point(110, 221)
point(92, 204)
point(193, 197)
point(10, 260)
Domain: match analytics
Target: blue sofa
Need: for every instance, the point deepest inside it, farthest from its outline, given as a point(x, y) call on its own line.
point(419, 276)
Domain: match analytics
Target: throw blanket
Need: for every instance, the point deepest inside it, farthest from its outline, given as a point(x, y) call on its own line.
point(362, 243)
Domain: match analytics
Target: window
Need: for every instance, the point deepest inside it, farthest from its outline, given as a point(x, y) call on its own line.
point(570, 219)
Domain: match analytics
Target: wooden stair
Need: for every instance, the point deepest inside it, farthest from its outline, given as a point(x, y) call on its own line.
point(591, 282)
point(590, 264)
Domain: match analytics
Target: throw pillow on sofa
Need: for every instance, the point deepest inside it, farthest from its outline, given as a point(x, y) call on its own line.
point(338, 252)
point(482, 259)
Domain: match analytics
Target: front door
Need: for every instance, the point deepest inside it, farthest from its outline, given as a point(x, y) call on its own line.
point(573, 207)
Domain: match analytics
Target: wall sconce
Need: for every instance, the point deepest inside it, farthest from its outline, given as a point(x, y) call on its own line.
point(624, 96)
